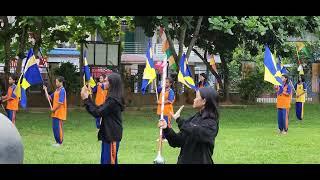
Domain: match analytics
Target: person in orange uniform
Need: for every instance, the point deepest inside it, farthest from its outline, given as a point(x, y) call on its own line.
point(168, 102)
point(284, 95)
point(59, 110)
point(101, 94)
point(11, 99)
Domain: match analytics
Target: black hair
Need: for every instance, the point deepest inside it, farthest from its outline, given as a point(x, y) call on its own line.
point(287, 77)
point(302, 78)
point(204, 75)
point(211, 107)
point(170, 80)
point(115, 87)
point(205, 79)
point(14, 77)
point(60, 79)
point(103, 75)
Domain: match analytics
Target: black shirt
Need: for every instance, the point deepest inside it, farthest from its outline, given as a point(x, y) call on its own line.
point(111, 124)
point(196, 139)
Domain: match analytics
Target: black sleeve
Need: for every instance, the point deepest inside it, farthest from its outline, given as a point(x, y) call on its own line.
point(174, 139)
point(97, 111)
point(204, 132)
point(181, 121)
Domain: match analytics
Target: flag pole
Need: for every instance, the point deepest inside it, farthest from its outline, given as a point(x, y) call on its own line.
point(46, 91)
point(159, 159)
point(156, 87)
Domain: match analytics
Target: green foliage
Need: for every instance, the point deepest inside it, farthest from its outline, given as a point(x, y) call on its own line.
point(68, 71)
point(253, 86)
point(109, 27)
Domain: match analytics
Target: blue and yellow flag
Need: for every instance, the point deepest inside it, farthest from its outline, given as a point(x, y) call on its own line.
point(86, 72)
point(271, 72)
point(30, 76)
point(149, 73)
point(280, 66)
point(184, 75)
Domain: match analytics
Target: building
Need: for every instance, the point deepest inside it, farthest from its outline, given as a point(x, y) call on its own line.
point(134, 55)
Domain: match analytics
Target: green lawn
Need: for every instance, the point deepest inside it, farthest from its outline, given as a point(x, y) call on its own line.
point(246, 135)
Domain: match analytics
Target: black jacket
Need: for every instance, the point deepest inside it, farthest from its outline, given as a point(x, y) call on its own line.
point(111, 124)
point(196, 139)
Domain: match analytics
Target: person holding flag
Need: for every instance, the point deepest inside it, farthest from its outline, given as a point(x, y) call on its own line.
point(59, 110)
point(110, 132)
point(169, 98)
point(301, 90)
point(11, 99)
point(284, 94)
point(30, 76)
point(281, 84)
point(197, 134)
point(101, 94)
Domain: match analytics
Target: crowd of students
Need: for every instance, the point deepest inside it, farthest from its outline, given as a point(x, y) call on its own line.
point(196, 136)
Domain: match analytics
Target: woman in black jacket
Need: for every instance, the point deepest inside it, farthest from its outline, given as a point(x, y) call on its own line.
point(110, 132)
point(197, 134)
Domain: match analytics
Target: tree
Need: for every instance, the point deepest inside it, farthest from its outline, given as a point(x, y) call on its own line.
point(69, 72)
point(222, 34)
point(109, 27)
point(175, 27)
point(46, 31)
point(6, 35)
point(225, 33)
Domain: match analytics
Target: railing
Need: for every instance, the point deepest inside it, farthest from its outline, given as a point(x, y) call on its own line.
point(274, 100)
point(141, 48)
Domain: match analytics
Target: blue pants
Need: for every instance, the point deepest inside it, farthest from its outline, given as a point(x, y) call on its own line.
point(283, 119)
point(98, 122)
point(57, 126)
point(11, 115)
point(299, 110)
point(109, 152)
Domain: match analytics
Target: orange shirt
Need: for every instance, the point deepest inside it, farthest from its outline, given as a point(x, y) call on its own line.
point(169, 95)
point(101, 95)
point(13, 101)
point(284, 95)
point(60, 97)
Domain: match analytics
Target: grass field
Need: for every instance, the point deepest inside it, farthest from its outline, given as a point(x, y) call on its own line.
point(246, 136)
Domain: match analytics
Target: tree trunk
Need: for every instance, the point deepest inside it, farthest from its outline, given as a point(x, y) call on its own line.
point(216, 75)
point(182, 36)
point(7, 61)
point(226, 88)
point(22, 48)
point(38, 39)
point(7, 41)
point(195, 36)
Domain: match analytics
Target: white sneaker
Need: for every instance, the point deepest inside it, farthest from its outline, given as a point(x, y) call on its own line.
point(164, 140)
point(56, 145)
